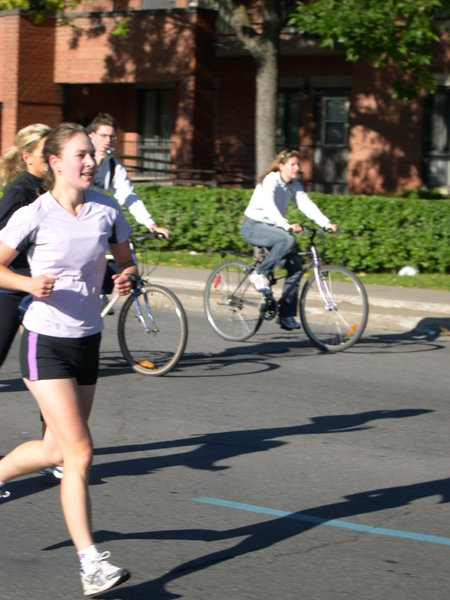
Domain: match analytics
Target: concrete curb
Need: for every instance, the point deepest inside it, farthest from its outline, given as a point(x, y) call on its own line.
point(391, 308)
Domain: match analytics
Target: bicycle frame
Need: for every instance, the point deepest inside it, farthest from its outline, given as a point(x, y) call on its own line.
point(321, 281)
point(315, 262)
point(116, 296)
point(332, 302)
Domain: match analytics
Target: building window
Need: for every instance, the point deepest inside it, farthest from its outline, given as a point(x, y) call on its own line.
point(156, 107)
point(438, 151)
point(334, 121)
point(330, 158)
point(156, 125)
point(288, 118)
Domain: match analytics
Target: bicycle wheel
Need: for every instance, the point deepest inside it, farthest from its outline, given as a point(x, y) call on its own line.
point(334, 312)
point(232, 304)
point(152, 330)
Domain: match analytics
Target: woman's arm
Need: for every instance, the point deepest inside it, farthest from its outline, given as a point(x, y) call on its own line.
point(125, 280)
point(40, 286)
point(312, 211)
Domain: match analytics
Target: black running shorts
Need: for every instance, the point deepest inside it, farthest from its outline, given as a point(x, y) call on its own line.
point(48, 357)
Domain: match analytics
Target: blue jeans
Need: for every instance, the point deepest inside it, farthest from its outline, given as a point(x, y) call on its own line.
point(282, 250)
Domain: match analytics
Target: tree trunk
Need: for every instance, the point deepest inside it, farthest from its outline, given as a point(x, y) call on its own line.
point(263, 46)
point(266, 106)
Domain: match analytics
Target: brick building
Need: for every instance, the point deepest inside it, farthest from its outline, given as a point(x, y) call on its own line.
point(183, 93)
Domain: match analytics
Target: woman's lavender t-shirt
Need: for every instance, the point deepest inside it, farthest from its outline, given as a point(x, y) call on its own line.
point(72, 248)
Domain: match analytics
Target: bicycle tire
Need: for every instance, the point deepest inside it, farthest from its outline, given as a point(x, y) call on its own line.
point(232, 304)
point(156, 348)
point(338, 327)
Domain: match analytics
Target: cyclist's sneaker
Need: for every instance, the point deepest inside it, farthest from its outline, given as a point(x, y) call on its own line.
point(56, 472)
point(104, 577)
point(4, 493)
point(260, 281)
point(288, 323)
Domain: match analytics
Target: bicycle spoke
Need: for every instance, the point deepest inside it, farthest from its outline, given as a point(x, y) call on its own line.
point(232, 304)
point(334, 308)
point(152, 330)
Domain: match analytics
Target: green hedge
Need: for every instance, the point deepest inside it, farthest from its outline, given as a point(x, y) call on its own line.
point(377, 234)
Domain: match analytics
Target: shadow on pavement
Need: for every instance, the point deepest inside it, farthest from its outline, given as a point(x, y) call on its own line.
point(267, 533)
point(258, 354)
point(204, 452)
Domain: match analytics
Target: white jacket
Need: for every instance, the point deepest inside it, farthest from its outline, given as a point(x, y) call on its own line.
point(120, 186)
point(270, 200)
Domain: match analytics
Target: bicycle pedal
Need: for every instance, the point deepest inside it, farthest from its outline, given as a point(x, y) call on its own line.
point(268, 307)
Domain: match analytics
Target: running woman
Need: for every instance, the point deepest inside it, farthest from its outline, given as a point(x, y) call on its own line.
point(66, 233)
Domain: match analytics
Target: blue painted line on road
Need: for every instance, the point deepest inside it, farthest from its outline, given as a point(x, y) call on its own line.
point(410, 535)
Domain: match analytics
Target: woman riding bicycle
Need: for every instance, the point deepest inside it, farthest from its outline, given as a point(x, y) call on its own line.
point(265, 225)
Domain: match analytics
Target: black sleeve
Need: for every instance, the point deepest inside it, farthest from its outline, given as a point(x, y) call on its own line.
point(13, 199)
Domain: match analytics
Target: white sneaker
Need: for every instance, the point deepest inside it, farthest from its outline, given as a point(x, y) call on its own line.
point(56, 472)
point(260, 281)
point(104, 577)
point(4, 493)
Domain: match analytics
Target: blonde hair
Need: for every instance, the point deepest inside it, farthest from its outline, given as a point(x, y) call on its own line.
point(12, 164)
point(281, 157)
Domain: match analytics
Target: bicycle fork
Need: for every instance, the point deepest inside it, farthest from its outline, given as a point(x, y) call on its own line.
point(322, 284)
point(140, 315)
point(327, 296)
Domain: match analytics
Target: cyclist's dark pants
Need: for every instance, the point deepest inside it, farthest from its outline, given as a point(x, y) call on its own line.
point(9, 321)
point(108, 283)
point(289, 299)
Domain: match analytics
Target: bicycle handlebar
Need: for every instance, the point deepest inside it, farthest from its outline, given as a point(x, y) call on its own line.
point(319, 230)
point(140, 237)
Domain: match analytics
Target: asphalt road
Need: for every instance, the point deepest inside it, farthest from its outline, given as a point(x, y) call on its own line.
point(264, 470)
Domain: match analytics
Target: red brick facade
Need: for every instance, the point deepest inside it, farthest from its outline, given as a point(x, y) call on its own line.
point(28, 92)
point(50, 73)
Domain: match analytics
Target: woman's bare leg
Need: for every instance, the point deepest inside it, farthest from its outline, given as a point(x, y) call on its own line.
point(35, 455)
point(65, 407)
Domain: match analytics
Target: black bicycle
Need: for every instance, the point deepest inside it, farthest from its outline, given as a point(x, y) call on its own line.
point(152, 326)
point(333, 304)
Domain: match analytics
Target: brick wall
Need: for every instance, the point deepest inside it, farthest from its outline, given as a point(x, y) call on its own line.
point(173, 50)
point(213, 94)
point(385, 135)
point(9, 73)
point(27, 90)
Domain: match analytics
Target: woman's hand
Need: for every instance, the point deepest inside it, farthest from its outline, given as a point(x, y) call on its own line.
point(296, 228)
point(42, 285)
point(162, 230)
point(124, 283)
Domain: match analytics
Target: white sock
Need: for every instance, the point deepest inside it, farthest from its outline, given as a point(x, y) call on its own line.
point(87, 556)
